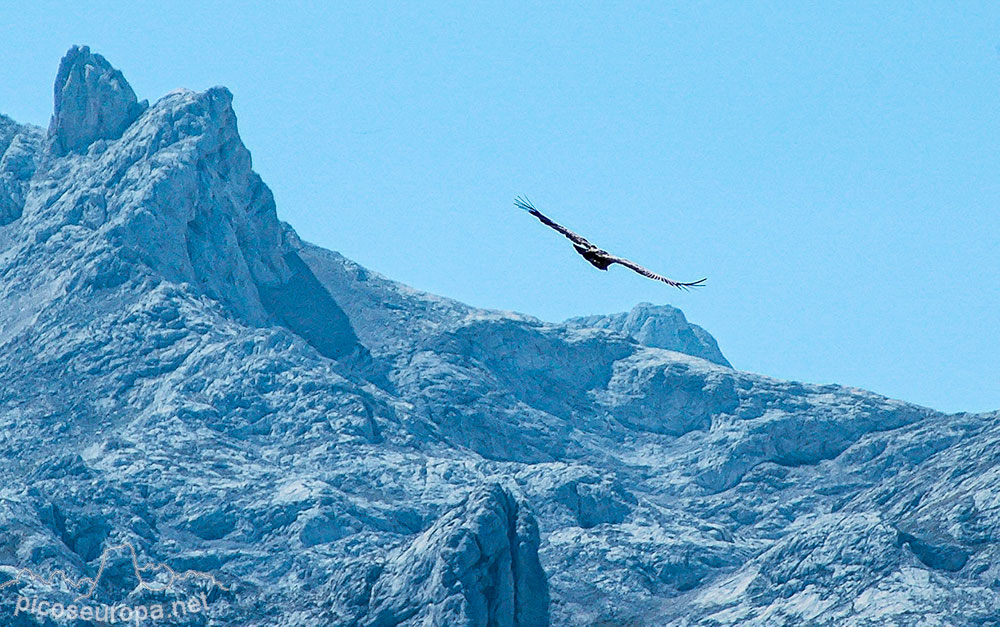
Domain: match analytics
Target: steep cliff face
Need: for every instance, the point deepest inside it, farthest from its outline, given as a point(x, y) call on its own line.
point(477, 565)
point(179, 372)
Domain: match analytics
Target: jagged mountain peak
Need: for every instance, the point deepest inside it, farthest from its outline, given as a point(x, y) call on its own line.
point(92, 101)
point(125, 191)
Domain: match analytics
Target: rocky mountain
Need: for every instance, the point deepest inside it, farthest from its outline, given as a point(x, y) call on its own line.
point(296, 440)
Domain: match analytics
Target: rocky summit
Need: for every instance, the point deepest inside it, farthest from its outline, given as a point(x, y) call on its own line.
point(206, 421)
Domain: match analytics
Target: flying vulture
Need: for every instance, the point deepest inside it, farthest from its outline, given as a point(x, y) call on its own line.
point(598, 258)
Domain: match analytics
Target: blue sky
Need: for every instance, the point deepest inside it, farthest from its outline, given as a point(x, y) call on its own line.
point(834, 169)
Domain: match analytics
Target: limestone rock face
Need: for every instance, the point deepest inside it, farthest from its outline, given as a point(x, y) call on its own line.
point(20, 147)
point(477, 566)
point(169, 194)
point(659, 326)
point(93, 101)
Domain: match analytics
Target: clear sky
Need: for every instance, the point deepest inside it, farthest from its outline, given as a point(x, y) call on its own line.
point(832, 168)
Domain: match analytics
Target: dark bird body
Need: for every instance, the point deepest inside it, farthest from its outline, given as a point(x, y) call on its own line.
point(600, 259)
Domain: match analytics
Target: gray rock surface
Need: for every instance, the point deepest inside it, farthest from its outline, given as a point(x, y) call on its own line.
point(477, 565)
point(179, 372)
point(659, 326)
point(20, 146)
point(92, 101)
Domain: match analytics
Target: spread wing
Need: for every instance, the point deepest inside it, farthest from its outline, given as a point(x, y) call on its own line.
point(631, 265)
point(524, 203)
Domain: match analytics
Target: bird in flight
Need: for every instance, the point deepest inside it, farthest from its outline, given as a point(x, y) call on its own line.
point(598, 258)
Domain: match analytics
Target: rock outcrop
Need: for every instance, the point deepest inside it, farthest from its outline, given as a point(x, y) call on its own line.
point(92, 101)
point(659, 326)
point(20, 146)
point(477, 566)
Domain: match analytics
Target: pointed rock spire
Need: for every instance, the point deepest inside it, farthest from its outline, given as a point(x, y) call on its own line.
point(92, 101)
point(477, 565)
